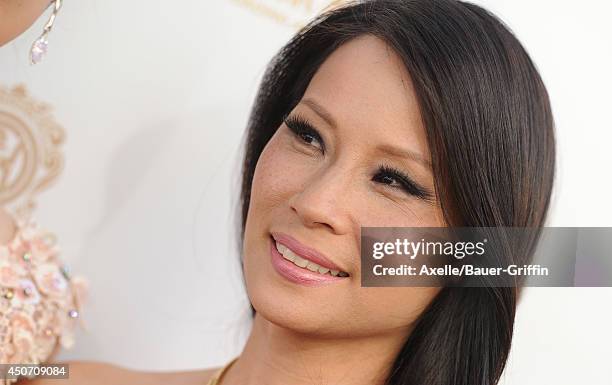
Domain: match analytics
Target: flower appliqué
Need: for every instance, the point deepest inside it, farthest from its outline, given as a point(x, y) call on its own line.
point(40, 302)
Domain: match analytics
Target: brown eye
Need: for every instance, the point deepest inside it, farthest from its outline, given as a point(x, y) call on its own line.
point(303, 130)
point(388, 174)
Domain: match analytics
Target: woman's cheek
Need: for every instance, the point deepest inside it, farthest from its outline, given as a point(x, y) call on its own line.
point(281, 171)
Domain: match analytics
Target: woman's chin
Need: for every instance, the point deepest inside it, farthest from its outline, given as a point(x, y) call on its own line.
point(296, 313)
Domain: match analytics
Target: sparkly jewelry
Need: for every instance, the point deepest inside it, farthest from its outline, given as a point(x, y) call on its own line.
point(40, 301)
point(39, 47)
point(216, 379)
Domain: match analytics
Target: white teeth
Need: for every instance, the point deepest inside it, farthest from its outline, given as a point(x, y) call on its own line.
point(301, 262)
point(282, 248)
point(312, 266)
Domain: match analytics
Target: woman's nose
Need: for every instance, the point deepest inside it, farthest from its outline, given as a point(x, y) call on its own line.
point(325, 199)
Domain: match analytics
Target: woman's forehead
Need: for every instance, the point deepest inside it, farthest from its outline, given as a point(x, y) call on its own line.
point(364, 85)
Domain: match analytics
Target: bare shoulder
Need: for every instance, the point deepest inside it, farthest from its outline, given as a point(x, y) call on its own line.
point(99, 373)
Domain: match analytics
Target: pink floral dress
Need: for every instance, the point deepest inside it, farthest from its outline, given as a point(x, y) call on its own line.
point(40, 302)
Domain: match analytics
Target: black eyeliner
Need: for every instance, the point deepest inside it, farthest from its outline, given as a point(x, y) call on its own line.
point(300, 125)
point(408, 184)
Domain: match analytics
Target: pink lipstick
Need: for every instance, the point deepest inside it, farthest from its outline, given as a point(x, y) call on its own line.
point(302, 275)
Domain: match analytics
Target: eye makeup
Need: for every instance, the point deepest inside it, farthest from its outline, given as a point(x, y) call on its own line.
point(405, 182)
point(302, 128)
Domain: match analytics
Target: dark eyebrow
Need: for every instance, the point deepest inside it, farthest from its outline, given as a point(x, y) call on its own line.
point(405, 154)
point(321, 111)
point(398, 152)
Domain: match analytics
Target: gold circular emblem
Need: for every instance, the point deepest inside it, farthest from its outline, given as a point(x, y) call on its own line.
point(30, 159)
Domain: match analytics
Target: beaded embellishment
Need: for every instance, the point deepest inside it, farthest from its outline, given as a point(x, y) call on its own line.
point(40, 302)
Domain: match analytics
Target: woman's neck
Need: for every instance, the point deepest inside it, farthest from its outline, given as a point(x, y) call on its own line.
point(274, 355)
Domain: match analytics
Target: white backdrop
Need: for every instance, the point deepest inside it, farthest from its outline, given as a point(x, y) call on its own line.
point(154, 97)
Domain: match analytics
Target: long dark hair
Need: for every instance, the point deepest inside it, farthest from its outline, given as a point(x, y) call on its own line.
point(490, 132)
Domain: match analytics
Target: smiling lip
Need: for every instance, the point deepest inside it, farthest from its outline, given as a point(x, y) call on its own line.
point(297, 274)
point(305, 251)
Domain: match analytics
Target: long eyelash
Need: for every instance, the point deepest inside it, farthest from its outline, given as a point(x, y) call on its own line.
point(407, 183)
point(299, 125)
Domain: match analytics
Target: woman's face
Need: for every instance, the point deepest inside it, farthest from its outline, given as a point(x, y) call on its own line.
point(319, 188)
point(17, 16)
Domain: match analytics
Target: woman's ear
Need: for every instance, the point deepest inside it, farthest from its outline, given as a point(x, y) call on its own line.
point(8, 227)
